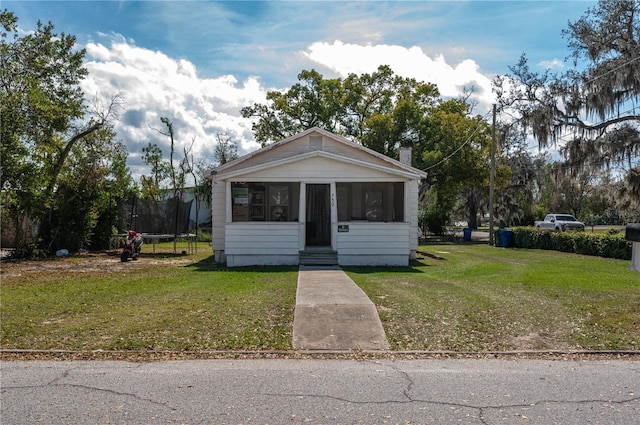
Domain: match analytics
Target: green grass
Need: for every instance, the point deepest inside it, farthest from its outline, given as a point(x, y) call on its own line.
point(158, 305)
point(481, 298)
point(478, 298)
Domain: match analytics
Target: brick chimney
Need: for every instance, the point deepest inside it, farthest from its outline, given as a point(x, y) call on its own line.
point(405, 155)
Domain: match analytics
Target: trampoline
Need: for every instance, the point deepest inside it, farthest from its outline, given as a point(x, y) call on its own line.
point(155, 221)
point(117, 241)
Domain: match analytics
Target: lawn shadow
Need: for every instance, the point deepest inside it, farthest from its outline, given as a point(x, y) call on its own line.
point(208, 264)
point(413, 267)
point(477, 238)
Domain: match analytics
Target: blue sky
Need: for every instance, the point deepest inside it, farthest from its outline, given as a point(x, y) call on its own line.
point(200, 62)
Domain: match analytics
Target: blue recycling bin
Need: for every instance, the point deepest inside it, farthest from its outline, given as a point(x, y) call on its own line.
point(506, 238)
point(466, 234)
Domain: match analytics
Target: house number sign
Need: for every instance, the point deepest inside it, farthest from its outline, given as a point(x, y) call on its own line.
point(343, 228)
point(333, 200)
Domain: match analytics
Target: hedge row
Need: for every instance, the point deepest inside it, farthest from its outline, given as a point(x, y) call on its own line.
point(608, 245)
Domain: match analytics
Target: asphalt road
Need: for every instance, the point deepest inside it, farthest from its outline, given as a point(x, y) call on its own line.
point(279, 391)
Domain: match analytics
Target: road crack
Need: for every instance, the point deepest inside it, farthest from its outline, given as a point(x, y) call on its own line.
point(58, 381)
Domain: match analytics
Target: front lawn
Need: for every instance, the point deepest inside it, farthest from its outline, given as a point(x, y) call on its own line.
point(476, 298)
point(161, 302)
point(481, 298)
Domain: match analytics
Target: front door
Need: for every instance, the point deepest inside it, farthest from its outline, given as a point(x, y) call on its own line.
point(318, 217)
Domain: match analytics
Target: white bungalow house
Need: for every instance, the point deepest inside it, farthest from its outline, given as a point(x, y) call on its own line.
point(315, 198)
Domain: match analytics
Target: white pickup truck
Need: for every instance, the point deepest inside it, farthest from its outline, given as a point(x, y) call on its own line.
point(560, 223)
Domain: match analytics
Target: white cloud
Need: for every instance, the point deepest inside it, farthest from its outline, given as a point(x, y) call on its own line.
point(552, 64)
point(155, 85)
point(98, 52)
point(411, 62)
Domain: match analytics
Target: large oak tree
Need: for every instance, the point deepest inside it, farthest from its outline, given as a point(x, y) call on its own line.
point(591, 110)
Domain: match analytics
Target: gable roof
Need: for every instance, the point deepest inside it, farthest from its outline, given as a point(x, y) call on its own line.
point(299, 162)
point(361, 156)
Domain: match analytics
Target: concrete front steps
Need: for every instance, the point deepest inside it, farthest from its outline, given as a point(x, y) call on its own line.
point(320, 256)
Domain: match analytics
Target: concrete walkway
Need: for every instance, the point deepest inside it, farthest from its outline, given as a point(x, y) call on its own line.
point(333, 313)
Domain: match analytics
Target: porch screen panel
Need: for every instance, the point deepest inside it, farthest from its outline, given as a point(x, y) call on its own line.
point(375, 201)
point(260, 201)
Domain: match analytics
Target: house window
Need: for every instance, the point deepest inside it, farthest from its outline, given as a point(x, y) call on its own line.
point(265, 201)
point(370, 201)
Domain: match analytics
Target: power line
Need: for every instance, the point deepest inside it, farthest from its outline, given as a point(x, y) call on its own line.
point(614, 69)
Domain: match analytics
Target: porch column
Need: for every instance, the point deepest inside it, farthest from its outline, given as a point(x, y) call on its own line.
point(302, 217)
point(334, 215)
point(411, 202)
point(228, 202)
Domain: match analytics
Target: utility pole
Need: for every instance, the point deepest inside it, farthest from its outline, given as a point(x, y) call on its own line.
point(492, 175)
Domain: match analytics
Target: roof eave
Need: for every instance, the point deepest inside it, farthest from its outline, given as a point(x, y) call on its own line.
point(412, 174)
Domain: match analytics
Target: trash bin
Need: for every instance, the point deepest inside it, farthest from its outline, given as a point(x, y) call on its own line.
point(506, 238)
point(466, 234)
point(496, 238)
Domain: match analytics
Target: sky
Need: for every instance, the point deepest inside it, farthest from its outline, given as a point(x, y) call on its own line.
point(199, 63)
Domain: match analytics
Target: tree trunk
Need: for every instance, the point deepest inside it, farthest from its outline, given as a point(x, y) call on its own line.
point(473, 217)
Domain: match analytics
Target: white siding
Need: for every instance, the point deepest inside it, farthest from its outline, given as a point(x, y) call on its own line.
point(269, 243)
point(218, 218)
point(318, 169)
point(296, 147)
point(341, 149)
point(411, 194)
point(373, 244)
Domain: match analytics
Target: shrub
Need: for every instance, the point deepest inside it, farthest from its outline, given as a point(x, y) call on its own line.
point(609, 245)
point(542, 240)
point(204, 236)
point(523, 238)
point(435, 220)
point(25, 249)
point(562, 242)
point(585, 243)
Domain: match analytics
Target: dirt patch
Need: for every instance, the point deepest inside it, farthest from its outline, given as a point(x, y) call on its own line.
point(534, 341)
point(87, 263)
